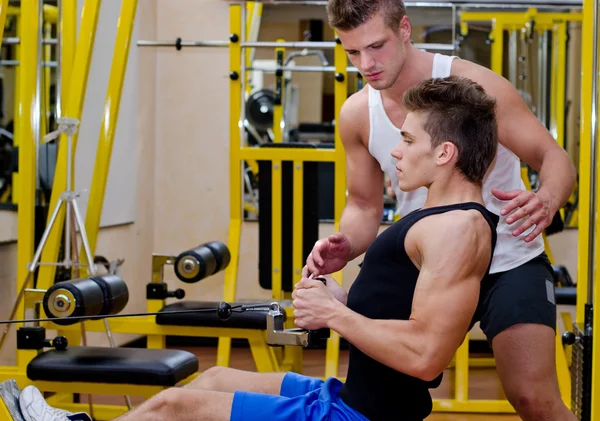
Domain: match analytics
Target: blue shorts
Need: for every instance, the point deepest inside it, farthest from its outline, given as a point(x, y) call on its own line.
point(301, 398)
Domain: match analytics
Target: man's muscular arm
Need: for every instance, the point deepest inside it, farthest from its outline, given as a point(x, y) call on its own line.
point(455, 250)
point(361, 217)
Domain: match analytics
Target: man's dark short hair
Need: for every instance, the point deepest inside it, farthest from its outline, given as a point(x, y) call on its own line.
point(458, 110)
point(350, 14)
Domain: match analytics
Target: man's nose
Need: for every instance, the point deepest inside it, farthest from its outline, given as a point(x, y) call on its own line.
point(366, 61)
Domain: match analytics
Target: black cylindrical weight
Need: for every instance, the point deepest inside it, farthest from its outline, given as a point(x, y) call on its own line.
point(221, 253)
point(77, 298)
point(193, 265)
point(259, 109)
point(116, 293)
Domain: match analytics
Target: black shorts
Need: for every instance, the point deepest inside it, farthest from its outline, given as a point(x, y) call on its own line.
point(524, 294)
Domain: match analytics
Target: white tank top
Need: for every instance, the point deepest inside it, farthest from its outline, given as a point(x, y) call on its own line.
point(510, 251)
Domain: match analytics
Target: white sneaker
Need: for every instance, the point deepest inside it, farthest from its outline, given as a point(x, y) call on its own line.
point(35, 408)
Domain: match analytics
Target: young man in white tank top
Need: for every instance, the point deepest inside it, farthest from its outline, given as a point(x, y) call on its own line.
point(519, 315)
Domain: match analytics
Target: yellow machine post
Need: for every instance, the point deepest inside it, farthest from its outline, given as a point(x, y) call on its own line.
point(332, 353)
point(27, 147)
point(591, 39)
point(68, 40)
point(235, 174)
point(109, 125)
point(497, 38)
point(587, 37)
point(77, 88)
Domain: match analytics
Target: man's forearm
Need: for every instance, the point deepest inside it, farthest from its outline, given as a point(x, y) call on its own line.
point(398, 344)
point(557, 177)
point(360, 224)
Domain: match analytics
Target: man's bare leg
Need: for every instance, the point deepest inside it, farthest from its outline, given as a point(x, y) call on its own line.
point(183, 405)
point(526, 366)
point(225, 379)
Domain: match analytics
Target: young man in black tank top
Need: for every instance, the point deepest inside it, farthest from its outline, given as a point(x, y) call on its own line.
point(412, 304)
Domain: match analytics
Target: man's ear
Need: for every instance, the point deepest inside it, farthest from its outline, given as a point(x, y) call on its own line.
point(405, 29)
point(446, 153)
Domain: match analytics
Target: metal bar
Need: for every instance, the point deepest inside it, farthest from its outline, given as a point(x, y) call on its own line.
point(17, 107)
point(512, 57)
point(497, 46)
point(68, 33)
point(74, 108)
point(12, 63)
point(584, 258)
point(274, 44)
point(276, 234)
point(110, 117)
point(332, 352)
point(17, 41)
point(561, 64)
point(461, 371)
point(38, 94)
point(288, 154)
point(235, 173)
point(593, 158)
point(27, 146)
point(315, 69)
point(533, 3)
point(298, 219)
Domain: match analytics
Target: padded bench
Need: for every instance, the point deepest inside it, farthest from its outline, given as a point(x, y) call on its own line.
point(148, 367)
point(566, 295)
point(253, 319)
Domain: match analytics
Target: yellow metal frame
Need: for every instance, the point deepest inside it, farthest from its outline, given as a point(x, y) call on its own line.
point(587, 75)
point(25, 132)
point(109, 124)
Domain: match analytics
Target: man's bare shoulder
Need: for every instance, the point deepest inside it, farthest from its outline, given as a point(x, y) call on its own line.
point(455, 237)
point(354, 115)
point(493, 83)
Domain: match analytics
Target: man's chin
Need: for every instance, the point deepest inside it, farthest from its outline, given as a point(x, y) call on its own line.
point(406, 187)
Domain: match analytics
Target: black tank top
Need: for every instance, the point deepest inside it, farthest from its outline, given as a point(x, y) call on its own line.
point(384, 289)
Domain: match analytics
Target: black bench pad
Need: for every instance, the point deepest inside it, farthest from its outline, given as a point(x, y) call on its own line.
point(150, 367)
point(566, 295)
point(255, 319)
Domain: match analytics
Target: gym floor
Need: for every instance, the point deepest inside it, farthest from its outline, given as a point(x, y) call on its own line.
point(483, 383)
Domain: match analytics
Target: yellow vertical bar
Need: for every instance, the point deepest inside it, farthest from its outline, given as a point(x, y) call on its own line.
point(68, 41)
point(17, 106)
point(595, 31)
point(77, 89)
point(554, 76)
point(461, 376)
point(587, 34)
point(27, 148)
point(561, 64)
point(332, 352)
point(47, 81)
point(235, 175)
point(108, 126)
point(276, 217)
point(279, 96)
point(497, 45)
point(298, 219)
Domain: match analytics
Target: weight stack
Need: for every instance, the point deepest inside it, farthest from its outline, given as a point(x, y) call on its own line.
point(581, 374)
point(310, 217)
